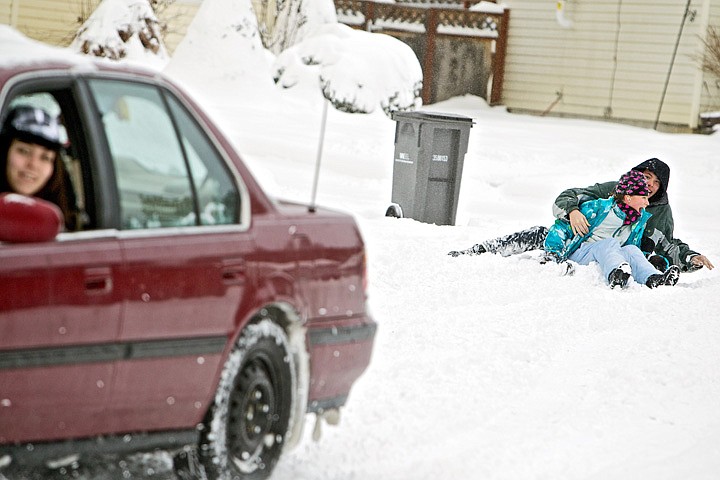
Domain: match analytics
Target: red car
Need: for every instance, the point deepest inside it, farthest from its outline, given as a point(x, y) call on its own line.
point(184, 307)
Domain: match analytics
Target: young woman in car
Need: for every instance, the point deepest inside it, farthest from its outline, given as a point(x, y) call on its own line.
point(30, 160)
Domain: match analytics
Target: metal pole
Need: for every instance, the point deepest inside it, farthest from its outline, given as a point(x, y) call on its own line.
point(672, 62)
point(311, 208)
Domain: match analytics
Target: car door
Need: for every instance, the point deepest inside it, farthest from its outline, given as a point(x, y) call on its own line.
point(184, 242)
point(59, 321)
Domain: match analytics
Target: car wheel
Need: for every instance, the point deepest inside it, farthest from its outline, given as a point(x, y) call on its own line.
point(247, 425)
point(394, 210)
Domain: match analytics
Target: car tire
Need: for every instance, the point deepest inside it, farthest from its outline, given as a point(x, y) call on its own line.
point(247, 425)
point(394, 210)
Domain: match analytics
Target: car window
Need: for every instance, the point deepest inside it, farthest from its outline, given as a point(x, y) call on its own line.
point(152, 178)
point(68, 189)
point(217, 197)
point(168, 174)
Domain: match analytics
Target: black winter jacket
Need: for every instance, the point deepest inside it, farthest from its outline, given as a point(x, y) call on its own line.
point(658, 236)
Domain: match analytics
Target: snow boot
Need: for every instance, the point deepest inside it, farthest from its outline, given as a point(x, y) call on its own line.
point(659, 262)
point(619, 276)
point(670, 277)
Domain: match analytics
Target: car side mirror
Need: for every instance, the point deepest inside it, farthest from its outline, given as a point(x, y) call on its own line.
point(26, 219)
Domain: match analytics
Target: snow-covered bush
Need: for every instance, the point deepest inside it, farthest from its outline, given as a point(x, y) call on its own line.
point(121, 29)
point(356, 70)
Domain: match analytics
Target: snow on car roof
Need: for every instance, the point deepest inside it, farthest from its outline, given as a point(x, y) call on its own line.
point(17, 49)
point(20, 53)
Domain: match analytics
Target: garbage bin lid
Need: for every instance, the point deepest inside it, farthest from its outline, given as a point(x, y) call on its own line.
point(432, 117)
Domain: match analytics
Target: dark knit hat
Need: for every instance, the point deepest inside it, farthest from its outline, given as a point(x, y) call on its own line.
point(632, 183)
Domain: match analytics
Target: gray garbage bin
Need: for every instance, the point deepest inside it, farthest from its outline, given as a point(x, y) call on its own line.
point(429, 153)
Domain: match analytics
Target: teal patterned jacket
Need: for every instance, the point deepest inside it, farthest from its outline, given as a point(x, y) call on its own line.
point(561, 241)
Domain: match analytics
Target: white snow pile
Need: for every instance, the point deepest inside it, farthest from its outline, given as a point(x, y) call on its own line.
point(357, 70)
point(223, 47)
point(122, 29)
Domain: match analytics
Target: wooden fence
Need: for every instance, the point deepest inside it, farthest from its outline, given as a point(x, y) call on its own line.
point(450, 26)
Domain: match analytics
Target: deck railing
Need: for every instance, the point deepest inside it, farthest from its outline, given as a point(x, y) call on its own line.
point(433, 19)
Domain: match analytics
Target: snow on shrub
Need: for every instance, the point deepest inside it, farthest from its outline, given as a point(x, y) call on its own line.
point(121, 29)
point(356, 70)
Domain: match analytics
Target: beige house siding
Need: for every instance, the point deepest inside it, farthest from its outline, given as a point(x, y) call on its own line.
point(5, 12)
point(55, 22)
point(179, 16)
point(710, 88)
point(611, 63)
point(49, 21)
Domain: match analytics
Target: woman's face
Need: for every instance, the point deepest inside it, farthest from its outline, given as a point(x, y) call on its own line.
point(29, 167)
point(637, 202)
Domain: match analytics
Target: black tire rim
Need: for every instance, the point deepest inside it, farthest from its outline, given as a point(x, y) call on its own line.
point(253, 415)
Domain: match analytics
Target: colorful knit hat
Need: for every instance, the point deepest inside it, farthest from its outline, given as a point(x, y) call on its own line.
point(632, 183)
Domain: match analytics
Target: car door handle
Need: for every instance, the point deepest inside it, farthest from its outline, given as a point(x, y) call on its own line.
point(98, 281)
point(233, 272)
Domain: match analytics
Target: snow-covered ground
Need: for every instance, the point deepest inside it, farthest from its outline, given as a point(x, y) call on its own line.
point(488, 367)
point(499, 368)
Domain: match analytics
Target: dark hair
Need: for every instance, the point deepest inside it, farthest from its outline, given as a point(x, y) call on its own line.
point(58, 188)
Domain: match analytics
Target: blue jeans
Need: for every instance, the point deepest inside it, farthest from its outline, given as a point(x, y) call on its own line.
point(610, 255)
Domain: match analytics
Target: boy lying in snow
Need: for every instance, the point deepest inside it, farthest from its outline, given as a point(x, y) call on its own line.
point(658, 237)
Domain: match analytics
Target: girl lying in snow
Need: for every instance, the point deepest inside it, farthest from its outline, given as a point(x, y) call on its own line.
point(613, 236)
